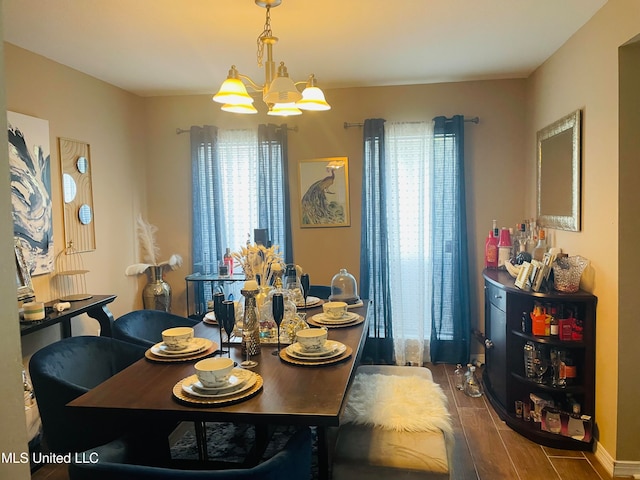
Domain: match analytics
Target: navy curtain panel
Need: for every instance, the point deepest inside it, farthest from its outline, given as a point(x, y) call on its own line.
point(273, 187)
point(207, 233)
point(374, 272)
point(450, 334)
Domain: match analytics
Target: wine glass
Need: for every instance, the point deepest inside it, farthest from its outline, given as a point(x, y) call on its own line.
point(247, 339)
point(304, 282)
point(229, 321)
point(540, 364)
point(219, 310)
point(277, 307)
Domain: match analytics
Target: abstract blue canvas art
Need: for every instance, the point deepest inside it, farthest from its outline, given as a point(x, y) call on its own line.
point(29, 162)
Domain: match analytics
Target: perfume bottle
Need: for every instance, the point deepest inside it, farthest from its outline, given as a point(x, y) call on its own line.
point(228, 261)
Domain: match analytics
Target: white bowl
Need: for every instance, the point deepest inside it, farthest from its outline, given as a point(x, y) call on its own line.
point(334, 310)
point(214, 372)
point(311, 339)
point(177, 338)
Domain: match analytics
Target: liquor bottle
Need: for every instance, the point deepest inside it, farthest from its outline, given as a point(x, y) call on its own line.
point(531, 236)
point(491, 251)
point(541, 247)
point(504, 247)
point(472, 386)
point(458, 376)
point(228, 260)
point(554, 330)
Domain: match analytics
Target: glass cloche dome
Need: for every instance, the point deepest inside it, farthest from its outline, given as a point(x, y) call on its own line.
point(344, 288)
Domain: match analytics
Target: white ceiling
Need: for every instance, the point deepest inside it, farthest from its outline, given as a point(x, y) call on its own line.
point(164, 47)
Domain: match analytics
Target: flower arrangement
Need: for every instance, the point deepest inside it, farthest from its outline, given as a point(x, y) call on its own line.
point(150, 251)
point(259, 262)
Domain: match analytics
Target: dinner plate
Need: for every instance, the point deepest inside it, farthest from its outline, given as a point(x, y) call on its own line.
point(311, 302)
point(236, 380)
point(197, 346)
point(347, 318)
point(188, 387)
point(315, 362)
point(210, 318)
point(331, 349)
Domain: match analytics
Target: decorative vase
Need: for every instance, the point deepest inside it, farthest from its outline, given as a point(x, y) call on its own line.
point(156, 294)
point(251, 325)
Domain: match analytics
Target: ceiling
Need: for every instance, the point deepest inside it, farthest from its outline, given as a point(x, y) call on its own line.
point(177, 47)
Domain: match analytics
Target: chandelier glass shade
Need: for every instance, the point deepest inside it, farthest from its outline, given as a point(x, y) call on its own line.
point(279, 91)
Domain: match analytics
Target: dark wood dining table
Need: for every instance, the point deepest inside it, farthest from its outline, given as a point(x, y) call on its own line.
point(291, 394)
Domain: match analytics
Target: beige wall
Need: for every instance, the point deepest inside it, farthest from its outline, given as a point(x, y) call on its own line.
point(493, 149)
point(14, 432)
point(628, 259)
point(583, 74)
point(112, 122)
point(141, 165)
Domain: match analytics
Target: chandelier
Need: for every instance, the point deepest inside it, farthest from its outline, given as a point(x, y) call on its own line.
point(279, 92)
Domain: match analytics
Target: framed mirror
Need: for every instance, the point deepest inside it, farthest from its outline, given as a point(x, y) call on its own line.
point(559, 174)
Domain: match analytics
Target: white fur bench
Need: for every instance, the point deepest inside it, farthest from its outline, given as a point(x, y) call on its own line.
point(400, 434)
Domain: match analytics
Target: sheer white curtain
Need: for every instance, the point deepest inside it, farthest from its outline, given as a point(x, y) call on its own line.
point(238, 154)
point(408, 153)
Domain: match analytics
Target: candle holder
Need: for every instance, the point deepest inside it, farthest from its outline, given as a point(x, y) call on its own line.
point(251, 330)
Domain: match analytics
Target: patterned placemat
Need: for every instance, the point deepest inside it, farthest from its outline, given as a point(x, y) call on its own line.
point(183, 397)
point(316, 362)
point(358, 321)
point(196, 356)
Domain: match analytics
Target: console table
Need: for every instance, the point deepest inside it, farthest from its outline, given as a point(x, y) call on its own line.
point(201, 287)
point(95, 307)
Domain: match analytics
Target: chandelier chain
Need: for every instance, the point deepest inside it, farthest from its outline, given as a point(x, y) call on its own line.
point(266, 32)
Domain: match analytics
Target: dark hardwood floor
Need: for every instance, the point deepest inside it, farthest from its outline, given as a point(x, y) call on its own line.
point(485, 448)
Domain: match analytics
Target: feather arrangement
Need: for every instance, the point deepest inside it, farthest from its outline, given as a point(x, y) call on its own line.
point(150, 251)
point(257, 261)
point(147, 237)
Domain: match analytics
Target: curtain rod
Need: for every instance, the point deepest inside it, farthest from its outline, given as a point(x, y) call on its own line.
point(472, 120)
point(180, 131)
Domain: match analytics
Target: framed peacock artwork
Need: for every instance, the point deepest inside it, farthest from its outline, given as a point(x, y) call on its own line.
point(324, 192)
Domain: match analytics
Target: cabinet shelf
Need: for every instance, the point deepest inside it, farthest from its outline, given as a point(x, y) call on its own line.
point(574, 389)
point(503, 377)
point(549, 340)
point(532, 431)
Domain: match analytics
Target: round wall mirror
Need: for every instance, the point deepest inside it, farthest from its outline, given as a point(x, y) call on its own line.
point(69, 188)
point(84, 214)
point(82, 165)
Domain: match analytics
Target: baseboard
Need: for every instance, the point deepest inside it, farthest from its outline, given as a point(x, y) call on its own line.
point(616, 468)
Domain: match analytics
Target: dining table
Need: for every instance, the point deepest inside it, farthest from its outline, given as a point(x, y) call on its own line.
point(292, 393)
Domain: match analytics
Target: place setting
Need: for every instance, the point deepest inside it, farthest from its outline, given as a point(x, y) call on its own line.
point(179, 345)
point(335, 315)
point(312, 348)
point(217, 382)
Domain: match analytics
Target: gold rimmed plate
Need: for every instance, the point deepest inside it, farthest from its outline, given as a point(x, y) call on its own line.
point(312, 302)
point(210, 318)
point(331, 349)
point(197, 345)
point(181, 358)
point(189, 387)
point(316, 323)
point(348, 317)
point(236, 397)
point(237, 379)
point(315, 362)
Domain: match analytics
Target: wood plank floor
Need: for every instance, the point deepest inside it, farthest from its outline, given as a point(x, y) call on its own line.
point(485, 448)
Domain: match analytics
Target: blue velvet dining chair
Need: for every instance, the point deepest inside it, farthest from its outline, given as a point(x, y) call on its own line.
point(144, 327)
point(66, 369)
point(320, 291)
point(113, 461)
